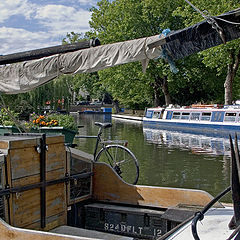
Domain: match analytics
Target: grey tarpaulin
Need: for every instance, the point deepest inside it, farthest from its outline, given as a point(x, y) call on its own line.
point(22, 77)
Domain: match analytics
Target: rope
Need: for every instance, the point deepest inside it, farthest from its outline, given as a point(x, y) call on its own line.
point(195, 8)
point(145, 48)
point(210, 20)
point(221, 19)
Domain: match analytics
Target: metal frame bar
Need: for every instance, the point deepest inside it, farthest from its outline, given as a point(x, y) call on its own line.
point(43, 179)
point(47, 183)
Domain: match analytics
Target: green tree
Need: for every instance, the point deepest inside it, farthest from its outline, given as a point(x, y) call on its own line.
point(131, 89)
point(73, 37)
point(224, 58)
point(122, 20)
point(18, 103)
point(196, 83)
point(53, 92)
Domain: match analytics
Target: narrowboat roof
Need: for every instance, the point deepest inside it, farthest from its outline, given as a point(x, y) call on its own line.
point(198, 108)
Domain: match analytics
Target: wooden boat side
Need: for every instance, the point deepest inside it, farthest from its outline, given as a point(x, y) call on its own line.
point(108, 186)
point(8, 232)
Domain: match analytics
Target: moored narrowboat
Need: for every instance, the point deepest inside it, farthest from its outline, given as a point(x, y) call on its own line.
point(195, 118)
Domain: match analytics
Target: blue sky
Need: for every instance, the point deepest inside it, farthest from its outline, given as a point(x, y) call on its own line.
point(33, 24)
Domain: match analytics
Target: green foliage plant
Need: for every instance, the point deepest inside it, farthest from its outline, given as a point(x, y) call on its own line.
point(224, 58)
point(8, 117)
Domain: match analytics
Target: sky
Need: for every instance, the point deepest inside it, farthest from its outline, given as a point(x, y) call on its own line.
point(33, 24)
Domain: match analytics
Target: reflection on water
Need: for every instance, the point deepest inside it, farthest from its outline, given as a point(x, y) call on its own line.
point(196, 143)
point(167, 158)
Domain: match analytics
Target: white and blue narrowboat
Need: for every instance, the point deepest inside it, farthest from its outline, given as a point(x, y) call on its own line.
point(195, 118)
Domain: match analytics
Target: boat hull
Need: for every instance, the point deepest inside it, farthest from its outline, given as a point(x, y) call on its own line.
point(192, 127)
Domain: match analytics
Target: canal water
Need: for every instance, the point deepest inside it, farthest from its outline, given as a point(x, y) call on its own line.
point(167, 158)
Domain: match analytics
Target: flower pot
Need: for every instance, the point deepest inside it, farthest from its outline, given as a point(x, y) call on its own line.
point(68, 134)
point(8, 129)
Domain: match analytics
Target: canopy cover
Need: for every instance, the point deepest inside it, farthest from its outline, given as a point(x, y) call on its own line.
point(22, 77)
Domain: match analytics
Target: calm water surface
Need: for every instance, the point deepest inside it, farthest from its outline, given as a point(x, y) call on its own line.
point(167, 159)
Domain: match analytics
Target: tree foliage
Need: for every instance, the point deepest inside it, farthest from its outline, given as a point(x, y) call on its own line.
point(122, 20)
point(224, 58)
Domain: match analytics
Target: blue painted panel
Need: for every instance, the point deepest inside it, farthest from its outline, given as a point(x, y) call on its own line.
point(149, 113)
point(169, 115)
point(217, 116)
point(107, 110)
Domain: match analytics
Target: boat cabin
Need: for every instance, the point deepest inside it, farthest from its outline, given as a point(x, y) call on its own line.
point(209, 113)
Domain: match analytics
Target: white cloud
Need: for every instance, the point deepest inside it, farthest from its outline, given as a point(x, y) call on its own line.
point(60, 19)
point(87, 2)
point(9, 8)
point(19, 40)
point(54, 20)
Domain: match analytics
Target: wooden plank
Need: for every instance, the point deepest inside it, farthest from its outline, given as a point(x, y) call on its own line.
point(51, 222)
point(119, 191)
point(56, 157)
point(23, 141)
point(20, 142)
point(55, 139)
point(24, 162)
point(4, 145)
point(50, 175)
point(26, 205)
point(78, 154)
point(8, 232)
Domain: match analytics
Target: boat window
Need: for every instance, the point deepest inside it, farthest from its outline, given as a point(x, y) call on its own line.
point(185, 115)
point(176, 115)
point(230, 117)
point(156, 114)
point(195, 116)
point(206, 116)
point(217, 116)
point(149, 114)
point(169, 115)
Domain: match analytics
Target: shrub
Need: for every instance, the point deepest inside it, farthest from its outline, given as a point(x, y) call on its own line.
point(8, 117)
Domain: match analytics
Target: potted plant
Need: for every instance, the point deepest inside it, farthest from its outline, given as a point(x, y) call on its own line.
point(54, 124)
point(8, 121)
